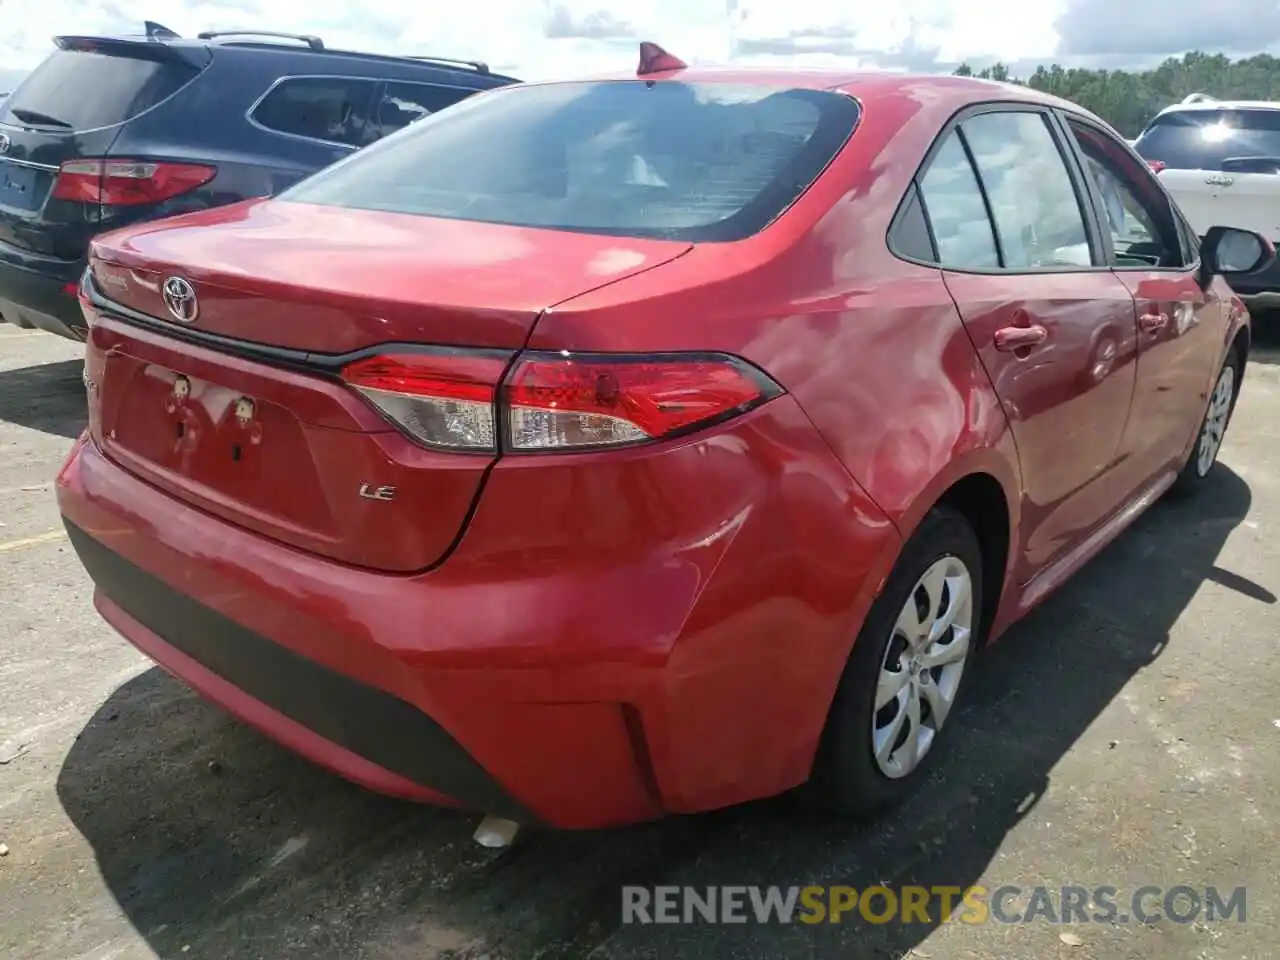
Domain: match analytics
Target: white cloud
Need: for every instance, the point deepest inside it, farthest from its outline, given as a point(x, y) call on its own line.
point(534, 39)
point(540, 38)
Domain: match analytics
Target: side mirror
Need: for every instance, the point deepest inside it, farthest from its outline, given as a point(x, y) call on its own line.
point(1231, 252)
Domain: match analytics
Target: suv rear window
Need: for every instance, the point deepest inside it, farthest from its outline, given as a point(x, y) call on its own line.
point(709, 162)
point(83, 90)
point(1206, 139)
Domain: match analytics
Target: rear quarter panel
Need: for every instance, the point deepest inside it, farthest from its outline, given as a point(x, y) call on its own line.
point(871, 346)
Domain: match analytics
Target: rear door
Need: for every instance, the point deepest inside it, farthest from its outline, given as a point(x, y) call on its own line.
point(1053, 326)
point(1181, 328)
point(1222, 165)
point(73, 106)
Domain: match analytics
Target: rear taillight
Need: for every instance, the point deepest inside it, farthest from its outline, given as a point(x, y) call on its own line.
point(440, 398)
point(1156, 165)
point(81, 292)
point(559, 401)
point(554, 401)
point(127, 182)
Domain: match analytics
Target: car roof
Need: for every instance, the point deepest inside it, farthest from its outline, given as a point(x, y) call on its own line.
point(281, 45)
point(870, 87)
point(1211, 105)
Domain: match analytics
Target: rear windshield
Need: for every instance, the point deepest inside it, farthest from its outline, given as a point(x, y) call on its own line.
point(80, 90)
point(672, 160)
point(1206, 139)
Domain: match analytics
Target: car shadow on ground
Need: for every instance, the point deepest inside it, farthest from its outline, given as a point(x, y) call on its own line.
point(215, 843)
point(48, 397)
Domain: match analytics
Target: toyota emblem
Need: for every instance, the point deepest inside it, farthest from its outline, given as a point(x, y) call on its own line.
point(180, 297)
point(4, 143)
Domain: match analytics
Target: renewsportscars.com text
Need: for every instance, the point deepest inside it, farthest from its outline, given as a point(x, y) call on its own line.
point(930, 905)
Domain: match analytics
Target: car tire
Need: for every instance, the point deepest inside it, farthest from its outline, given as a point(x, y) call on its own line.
point(1213, 428)
point(861, 772)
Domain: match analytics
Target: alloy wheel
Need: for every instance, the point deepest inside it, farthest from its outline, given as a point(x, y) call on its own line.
point(923, 664)
point(1215, 420)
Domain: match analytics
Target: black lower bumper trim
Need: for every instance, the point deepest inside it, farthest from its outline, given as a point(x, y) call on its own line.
point(370, 723)
point(31, 299)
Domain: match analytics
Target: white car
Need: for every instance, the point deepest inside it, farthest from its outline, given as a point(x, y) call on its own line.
point(1220, 159)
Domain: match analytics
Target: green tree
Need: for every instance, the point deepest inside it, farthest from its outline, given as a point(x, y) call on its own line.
point(1129, 99)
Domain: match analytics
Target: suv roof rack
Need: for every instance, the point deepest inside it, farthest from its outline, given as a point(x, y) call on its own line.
point(1199, 98)
point(476, 65)
point(314, 42)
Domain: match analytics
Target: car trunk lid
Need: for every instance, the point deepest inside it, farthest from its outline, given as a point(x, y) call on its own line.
point(242, 411)
point(332, 280)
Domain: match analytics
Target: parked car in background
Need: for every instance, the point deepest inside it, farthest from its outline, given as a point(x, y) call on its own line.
point(114, 130)
point(597, 450)
point(1221, 161)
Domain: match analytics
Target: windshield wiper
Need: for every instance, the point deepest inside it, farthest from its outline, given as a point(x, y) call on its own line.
point(35, 116)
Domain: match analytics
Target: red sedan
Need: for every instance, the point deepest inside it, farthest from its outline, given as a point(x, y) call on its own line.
point(597, 450)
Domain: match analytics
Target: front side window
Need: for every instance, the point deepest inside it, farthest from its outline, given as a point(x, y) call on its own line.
point(333, 109)
point(1033, 201)
point(1137, 214)
point(956, 211)
point(696, 162)
point(404, 103)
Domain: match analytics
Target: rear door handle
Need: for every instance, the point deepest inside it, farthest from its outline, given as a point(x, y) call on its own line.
point(1019, 338)
point(1153, 322)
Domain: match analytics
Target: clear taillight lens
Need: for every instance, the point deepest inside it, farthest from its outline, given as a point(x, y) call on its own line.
point(442, 399)
point(450, 399)
point(564, 401)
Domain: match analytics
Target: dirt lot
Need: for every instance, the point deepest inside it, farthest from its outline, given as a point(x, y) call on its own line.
point(1128, 734)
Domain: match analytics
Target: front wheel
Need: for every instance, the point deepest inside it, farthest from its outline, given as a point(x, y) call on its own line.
point(906, 672)
point(1204, 455)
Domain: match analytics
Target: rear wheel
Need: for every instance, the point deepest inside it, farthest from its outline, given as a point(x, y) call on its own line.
point(1213, 428)
point(906, 672)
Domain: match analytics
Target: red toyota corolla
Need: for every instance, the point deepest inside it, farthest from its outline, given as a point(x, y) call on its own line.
point(596, 450)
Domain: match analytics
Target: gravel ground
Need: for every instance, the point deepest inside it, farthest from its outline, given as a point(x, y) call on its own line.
point(1127, 734)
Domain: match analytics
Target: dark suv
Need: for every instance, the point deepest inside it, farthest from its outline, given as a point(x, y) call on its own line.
point(113, 130)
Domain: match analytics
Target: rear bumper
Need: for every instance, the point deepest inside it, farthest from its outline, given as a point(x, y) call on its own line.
point(34, 292)
point(612, 660)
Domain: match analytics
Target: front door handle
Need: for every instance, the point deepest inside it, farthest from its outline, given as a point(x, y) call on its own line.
point(1019, 338)
point(1153, 322)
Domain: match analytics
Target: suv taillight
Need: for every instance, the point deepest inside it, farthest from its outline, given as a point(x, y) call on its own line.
point(127, 182)
point(459, 400)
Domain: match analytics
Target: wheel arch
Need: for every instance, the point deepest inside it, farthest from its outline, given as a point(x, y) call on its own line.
point(981, 500)
point(983, 486)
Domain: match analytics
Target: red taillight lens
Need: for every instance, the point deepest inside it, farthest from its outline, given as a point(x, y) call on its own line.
point(555, 401)
point(562, 401)
point(440, 398)
point(127, 182)
point(1156, 165)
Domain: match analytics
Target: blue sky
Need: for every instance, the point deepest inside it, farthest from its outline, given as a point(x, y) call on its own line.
point(541, 38)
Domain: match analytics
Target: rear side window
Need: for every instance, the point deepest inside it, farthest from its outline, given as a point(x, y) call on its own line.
point(1213, 139)
point(82, 90)
point(697, 162)
point(333, 109)
point(953, 202)
point(1037, 214)
point(403, 103)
